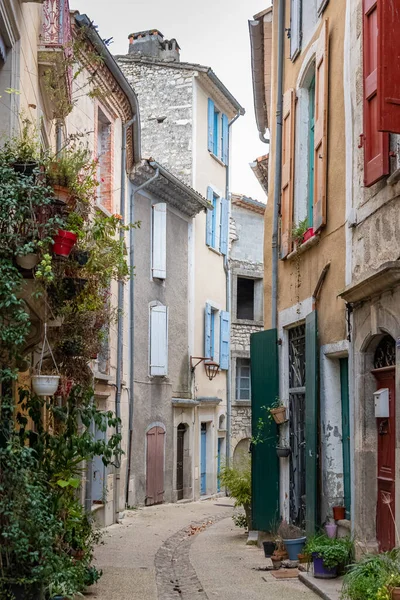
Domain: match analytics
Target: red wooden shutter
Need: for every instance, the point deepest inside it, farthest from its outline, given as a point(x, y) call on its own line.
point(321, 128)
point(287, 173)
point(389, 65)
point(376, 144)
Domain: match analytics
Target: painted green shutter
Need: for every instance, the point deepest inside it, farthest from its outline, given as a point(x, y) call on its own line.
point(224, 340)
point(223, 245)
point(225, 140)
point(207, 331)
point(211, 110)
point(312, 419)
point(264, 461)
point(209, 222)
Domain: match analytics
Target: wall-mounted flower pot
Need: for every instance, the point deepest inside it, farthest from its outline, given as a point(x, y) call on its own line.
point(27, 261)
point(64, 241)
point(62, 193)
point(269, 548)
point(339, 513)
point(294, 547)
point(25, 168)
point(308, 234)
point(73, 286)
point(279, 414)
point(45, 385)
point(331, 530)
point(283, 452)
point(82, 257)
point(395, 593)
point(320, 570)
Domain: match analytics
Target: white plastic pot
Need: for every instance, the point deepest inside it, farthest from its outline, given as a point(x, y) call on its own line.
point(27, 261)
point(45, 385)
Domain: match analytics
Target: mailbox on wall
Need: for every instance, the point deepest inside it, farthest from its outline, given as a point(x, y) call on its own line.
point(381, 398)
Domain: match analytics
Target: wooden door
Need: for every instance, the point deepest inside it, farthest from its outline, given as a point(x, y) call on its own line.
point(344, 389)
point(203, 460)
point(155, 466)
point(385, 509)
point(179, 461)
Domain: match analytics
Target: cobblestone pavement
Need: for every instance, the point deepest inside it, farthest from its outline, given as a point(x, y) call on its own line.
point(188, 552)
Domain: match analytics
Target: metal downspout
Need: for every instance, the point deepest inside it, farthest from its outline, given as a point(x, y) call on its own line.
point(132, 329)
point(228, 310)
point(278, 165)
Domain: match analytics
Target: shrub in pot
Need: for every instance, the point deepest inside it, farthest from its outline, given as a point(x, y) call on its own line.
point(328, 554)
point(368, 578)
point(293, 539)
point(277, 412)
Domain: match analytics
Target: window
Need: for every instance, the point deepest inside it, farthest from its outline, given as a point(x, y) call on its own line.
point(217, 222)
point(216, 335)
point(218, 133)
point(105, 158)
point(159, 240)
point(249, 299)
point(158, 340)
point(295, 28)
point(243, 385)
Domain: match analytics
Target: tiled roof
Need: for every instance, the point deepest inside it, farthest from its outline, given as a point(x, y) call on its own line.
point(260, 170)
point(249, 203)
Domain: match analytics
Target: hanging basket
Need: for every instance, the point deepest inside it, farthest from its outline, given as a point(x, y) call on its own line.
point(283, 452)
point(45, 385)
point(64, 241)
point(278, 414)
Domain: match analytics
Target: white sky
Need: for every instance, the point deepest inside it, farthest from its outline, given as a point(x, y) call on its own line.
point(210, 32)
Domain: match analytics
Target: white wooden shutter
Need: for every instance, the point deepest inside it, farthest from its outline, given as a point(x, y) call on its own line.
point(159, 266)
point(295, 28)
point(158, 340)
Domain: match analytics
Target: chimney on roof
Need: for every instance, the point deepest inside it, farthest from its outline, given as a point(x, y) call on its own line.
point(152, 44)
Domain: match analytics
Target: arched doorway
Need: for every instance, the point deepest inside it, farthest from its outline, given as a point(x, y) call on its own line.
point(241, 452)
point(155, 438)
point(384, 373)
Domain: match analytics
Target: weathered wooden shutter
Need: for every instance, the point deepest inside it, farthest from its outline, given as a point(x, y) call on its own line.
point(264, 461)
point(211, 110)
point(321, 128)
point(376, 144)
point(225, 140)
point(295, 28)
point(389, 66)
point(159, 266)
point(224, 340)
point(287, 173)
point(312, 420)
point(158, 340)
point(207, 331)
point(209, 222)
point(223, 245)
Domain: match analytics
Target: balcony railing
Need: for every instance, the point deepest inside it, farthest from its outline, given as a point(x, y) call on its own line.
point(56, 25)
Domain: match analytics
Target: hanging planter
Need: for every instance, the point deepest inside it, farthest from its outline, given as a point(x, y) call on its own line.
point(283, 452)
point(82, 257)
point(278, 414)
point(46, 385)
point(25, 168)
point(27, 261)
point(61, 193)
point(64, 241)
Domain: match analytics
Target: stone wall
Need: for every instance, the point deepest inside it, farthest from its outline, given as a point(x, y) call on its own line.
point(248, 229)
point(241, 423)
point(165, 103)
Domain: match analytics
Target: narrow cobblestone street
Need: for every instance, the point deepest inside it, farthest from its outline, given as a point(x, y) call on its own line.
point(188, 551)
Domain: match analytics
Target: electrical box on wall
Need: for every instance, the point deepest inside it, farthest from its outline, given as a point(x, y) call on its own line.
point(381, 398)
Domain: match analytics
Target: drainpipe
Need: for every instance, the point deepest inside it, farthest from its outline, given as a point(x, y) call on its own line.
point(132, 329)
point(58, 136)
point(278, 164)
point(228, 310)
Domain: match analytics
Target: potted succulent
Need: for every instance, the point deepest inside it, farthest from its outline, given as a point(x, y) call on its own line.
point(277, 412)
point(328, 554)
point(293, 539)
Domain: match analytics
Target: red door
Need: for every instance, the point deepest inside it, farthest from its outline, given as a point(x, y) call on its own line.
point(155, 466)
point(385, 509)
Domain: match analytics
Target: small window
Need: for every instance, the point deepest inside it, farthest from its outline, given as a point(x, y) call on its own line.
point(243, 385)
point(217, 229)
point(104, 155)
point(245, 298)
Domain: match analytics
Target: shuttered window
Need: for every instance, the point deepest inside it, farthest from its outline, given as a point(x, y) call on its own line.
point(376, 144)
point(223, 246)
point(225, 140)
point(224, 340)
point(159, 259)
point(321, 128)
point(295, 28)
point(211, 110)
point(389, 66)
point(158, 340)
point(217, 222)
point(287, 173)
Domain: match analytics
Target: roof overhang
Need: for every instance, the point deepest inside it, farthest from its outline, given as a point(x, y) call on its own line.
point(168, 188)
point(260, 170)
point(384, 279)
point(256, 30)
point(248, 203)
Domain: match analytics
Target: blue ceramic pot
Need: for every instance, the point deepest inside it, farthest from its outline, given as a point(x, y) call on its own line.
point(294, 547)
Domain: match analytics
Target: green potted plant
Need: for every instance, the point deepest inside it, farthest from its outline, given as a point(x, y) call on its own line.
point(299, 231)
point(277, 411)
point(237, 478)
point(328, 554)
point(66, 238)
point(368, 578)
point(24, 149)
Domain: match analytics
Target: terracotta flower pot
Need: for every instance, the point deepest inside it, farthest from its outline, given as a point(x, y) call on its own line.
point(61, 193)
point(395, 592)
point(279, 414)
point(64, 241)
point(339, 513)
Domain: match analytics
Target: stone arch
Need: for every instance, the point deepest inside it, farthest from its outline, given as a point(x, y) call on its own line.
point(241, 450)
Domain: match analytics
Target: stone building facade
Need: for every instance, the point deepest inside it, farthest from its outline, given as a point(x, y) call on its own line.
point(246, 267)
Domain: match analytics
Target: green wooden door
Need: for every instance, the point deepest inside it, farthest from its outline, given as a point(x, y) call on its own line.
point(264, 461)
point(312, 418)
point(344, 388)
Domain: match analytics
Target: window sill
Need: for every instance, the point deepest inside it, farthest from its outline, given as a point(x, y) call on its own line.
point(219, 161)
point(242, 403)
point(313, 241)
point(102, 209)
point(215, 250)
point(250, 322)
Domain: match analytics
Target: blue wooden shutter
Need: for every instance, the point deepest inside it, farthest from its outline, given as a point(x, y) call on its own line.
point(225, 140)
point(209, 232)
point(223, 245)
point(311, 422)
point(211, 110)
point(224, 340)
point(207, 331)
